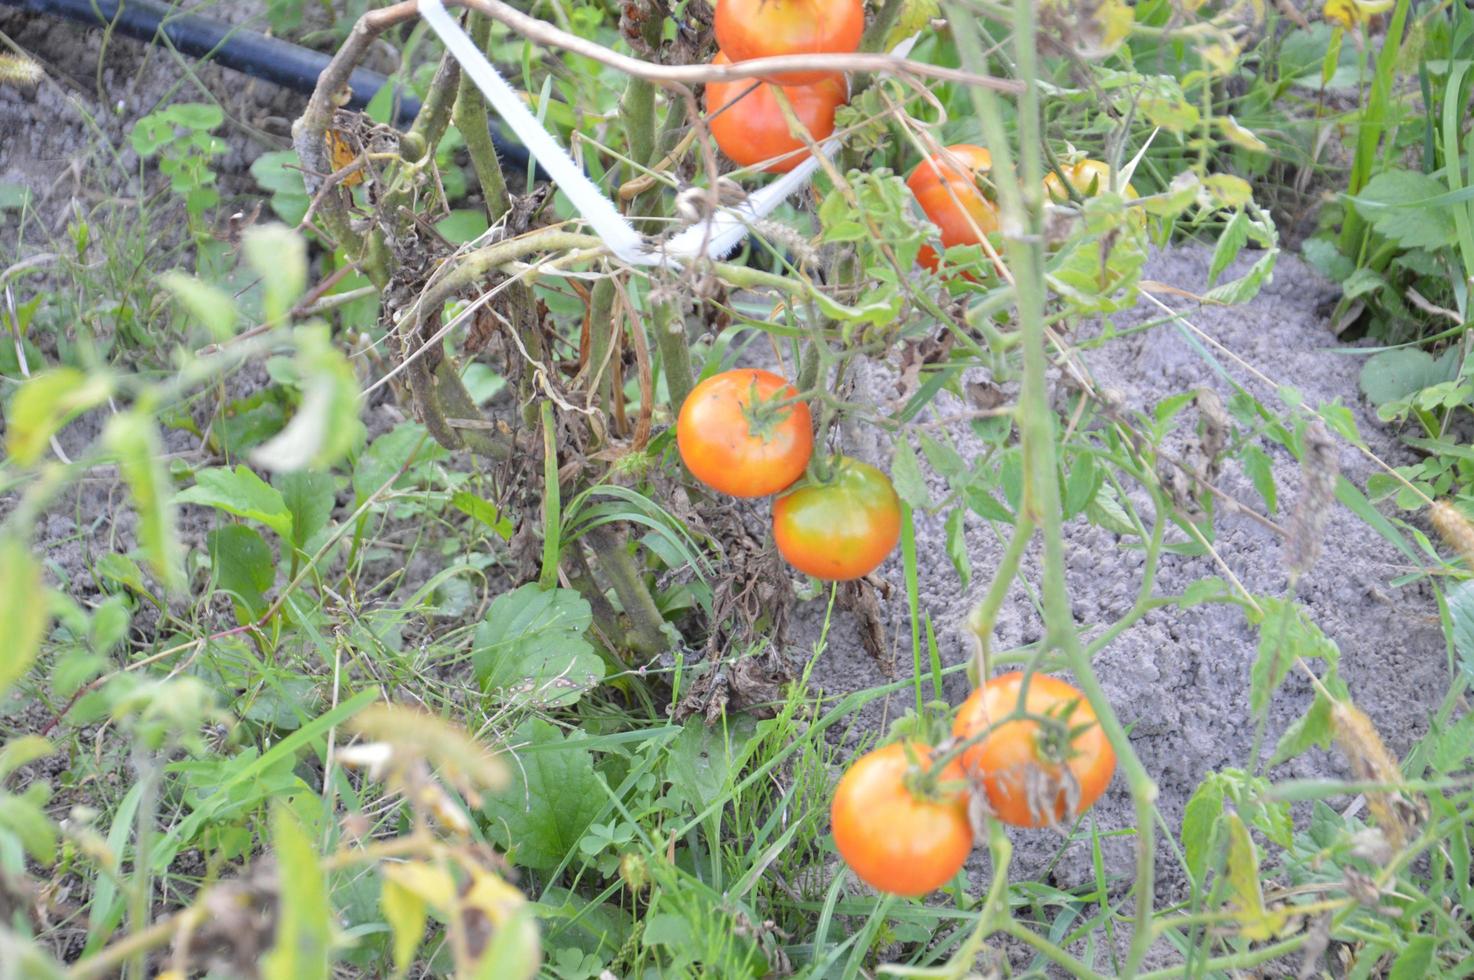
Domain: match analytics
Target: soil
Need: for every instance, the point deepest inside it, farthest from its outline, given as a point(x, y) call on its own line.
point(1179, 679)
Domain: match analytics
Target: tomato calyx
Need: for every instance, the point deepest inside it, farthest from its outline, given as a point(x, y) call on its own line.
point(764, 414)
point(923, 778)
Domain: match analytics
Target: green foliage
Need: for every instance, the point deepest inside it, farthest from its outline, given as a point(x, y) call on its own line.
point(180, 138)
point(531, 647)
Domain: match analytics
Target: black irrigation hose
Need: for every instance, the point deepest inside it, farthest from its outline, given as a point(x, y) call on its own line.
point(289, 65)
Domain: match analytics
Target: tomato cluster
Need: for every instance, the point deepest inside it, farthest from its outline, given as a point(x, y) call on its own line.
point(947, 186)
point(746, 116)
point(900, 820)
point(745, 433)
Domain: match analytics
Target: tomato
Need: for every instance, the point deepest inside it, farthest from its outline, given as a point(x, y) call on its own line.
point(735, 436)
point(1088, 177)
point(748, 29)
point(1032, 779)
point(842, 529)
point(750, 128)
point(893, 839)
point(948, 193)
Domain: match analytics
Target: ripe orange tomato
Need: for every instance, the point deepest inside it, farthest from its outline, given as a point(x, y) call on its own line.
point(948, 193)
point(748, 124)
point(842, 529)
point(748, 29)
point(1032, 778)
point(734, 436)
point(892, 839)
point(1088, 177)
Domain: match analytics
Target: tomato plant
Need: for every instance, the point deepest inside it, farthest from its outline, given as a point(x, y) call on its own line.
point(748, 29)
point(749, 126)
point(736, 435)
point(946, 188)
point(1034, 774)
point(896, 834)
point(842, 528)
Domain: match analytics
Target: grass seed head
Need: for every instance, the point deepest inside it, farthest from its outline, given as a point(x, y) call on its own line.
point(1396, 814)
point(1319, 469)
point(1454, 528)
point(20, 71)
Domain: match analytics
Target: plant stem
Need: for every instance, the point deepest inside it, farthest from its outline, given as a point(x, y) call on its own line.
point(675, 353)
point(470, 118)
point(646, 636)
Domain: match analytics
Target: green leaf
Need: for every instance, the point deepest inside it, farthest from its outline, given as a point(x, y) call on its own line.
point(304, 911)
point(132, 437)
point(1461, 611)
point(26, 958)
point(1231, 241)
point(957, 545)
point(242, 493)
point(276, 172)
point(1395, 374)
point(1415, 960)
point(243, 567)
point(46, 403)
point(22, 609)
point(1399, 205)
point(1260, 470)
point(23, 815)
point(1312, 728)
point(702, 762)
point(462, 225)
point(1199, 821)
point(1247, 286)
point(278, 255)
point(483, 511)
point(389, 453)
point(906, 475)
point(1285, 632)
point(326, 424)
point(531, 647)
point(1082, 480)
point(22, 751)
point(209, 305)
point(309, 497)
point(554, 796)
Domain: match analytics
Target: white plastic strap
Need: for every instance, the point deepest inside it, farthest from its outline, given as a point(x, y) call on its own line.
point(719, 233)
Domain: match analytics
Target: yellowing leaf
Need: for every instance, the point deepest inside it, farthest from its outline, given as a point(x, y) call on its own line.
point(303, 921)
point(131, 436)
point(1255, 921)
point(405, 912)
point(44, 404)
point(22, 609)
point(1353, 13)
point(430, 883)
point(1239, 136)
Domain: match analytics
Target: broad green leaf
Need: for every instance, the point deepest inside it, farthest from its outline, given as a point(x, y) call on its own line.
point(304, 911)
point(243, 567)
point(906, 475)
point(531, 647)
point(390, 453)
point(1082, 480)
point(1247, 286)
point(1285, 632)
point(46, 403)
point(277, 173)
point(1312, 728)
point(1400, 204)
point(278, 255)
point(1461, 611)
point(208, 304)
point(23, 609)
point(1255, 921)
point(242, 493)
point(1231, 241)
point(703, 761)
point(1260, 470)
point(309, 497)
point(133, 438)
point(1199, 821)
point(483, 511)
point(462, 225)
point(1415, 960)
point(554, 796)
point(1395, 374)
